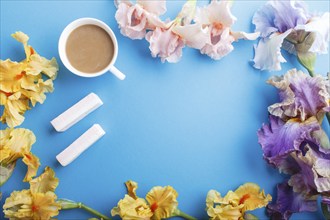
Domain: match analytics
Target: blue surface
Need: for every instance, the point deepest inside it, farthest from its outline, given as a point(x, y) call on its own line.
point(191, 125)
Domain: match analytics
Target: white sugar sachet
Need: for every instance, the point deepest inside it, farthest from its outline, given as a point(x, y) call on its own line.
point(76, 112)
point(86, 140)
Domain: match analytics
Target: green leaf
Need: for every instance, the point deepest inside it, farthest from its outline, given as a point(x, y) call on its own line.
point(325, 211)
point(6, 171)
point(307, 59)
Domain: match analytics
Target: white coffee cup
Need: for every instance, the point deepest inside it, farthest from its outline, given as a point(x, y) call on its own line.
point(62, 48)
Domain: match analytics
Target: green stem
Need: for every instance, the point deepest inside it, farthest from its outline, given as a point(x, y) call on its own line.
point(94, 212)
point(181, 214)
point(68, 204)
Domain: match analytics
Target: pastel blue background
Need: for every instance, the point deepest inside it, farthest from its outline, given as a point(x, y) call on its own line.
point(191, 125)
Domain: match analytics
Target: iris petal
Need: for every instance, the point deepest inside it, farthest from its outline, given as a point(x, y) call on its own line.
point(301, 95)
point(165, 44)
point(162, 201)
point(289, 202)
point(155, 7)
point(129, 208)
point(268, 52)
point(319, 26)
point(280, 138)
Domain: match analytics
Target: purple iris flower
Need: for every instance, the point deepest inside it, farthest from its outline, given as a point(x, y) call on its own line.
point(301, 95)
point(280, 16)
point(289, 202)
point(288, 23)
point(279, 138)
point(295, 143)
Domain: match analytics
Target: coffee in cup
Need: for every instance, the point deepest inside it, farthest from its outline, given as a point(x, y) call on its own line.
point(89, 48)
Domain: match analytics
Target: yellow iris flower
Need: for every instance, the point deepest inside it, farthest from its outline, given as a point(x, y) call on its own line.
point(129, 208)
point(251, 197)
point(132, 207)
point(22, 82)
point(161, 203)
point(234, 205)
point(36, 203)
point(15, 144)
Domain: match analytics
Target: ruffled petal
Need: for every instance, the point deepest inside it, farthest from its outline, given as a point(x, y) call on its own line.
point(243, 35)
point(18, 140)
point(39, 96)
point(322, 141)
point(162, 201)
point(216, 12)
point(131, 188)
point(288, 165)
point(268, 52)
point(322, 177)
point(212, 197)
point(289, 202)
point(289, 14)
point(14, 108)
point(218, 207)
point(45, 182)
point(132, 209)
point(15, 144)
point(301, 95)
point(132, 20)
point(187, 13)
point(44, 205)
point(32, 163)
point(23, 38)
point(10, 72)
point(39, 64)
point(217, 19)
point(319, 26)
point(165, 44)
point(17, 205)
point(280, 138)
point(322, 166)
point(234, 205)
point(302, 182)
point(309, 169)
point(225, 212)
point(263, 19)
point(194, 35)
point(252, 197)
point(18, 76)
point(218, 46)
point(155, 7)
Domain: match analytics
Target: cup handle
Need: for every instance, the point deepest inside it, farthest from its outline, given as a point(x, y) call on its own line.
point(117, 73)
